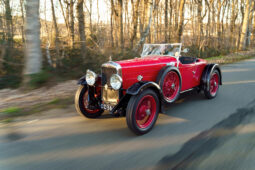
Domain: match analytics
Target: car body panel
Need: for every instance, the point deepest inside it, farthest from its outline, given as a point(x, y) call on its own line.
point(149, 67)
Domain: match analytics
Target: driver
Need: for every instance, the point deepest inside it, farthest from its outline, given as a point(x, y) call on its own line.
point(164, 50)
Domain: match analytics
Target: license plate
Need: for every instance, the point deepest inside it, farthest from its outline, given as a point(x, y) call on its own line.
point(106, 107)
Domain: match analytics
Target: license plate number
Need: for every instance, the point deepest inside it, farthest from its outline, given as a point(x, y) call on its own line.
point(106, 107)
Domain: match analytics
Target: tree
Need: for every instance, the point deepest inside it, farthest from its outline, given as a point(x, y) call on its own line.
point(166, 20)
point(56, 37)
point(81, 25)
point(120, 13)
point(33, 53)
point(135, 6)
point(9, 23)
point(151, 6)
point(234, 14)
point(181, 20)
point(243, 38)
point(72, 22)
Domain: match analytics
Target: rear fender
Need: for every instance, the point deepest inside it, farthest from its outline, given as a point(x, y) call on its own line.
point(205, 80)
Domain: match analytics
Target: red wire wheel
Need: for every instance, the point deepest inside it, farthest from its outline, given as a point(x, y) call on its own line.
point(142, 112)
point(214, 83)
point(85, 102)
point(170, 86)
point(82, 104)
point(145, 111)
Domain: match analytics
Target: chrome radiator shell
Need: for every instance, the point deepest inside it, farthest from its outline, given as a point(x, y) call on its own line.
point(109, 95)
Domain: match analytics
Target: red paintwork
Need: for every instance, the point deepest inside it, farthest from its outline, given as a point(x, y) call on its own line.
point(147, 103)
point(149, 68)
point(214, 84)
point(171, 85)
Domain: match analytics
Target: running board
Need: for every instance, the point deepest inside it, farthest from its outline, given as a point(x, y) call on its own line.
point(194, 88)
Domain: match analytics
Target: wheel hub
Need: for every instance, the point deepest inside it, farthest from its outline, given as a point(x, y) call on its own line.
point(173, 86)
point(148, 112)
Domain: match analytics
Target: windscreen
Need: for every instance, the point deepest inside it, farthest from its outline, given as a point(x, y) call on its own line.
point(160, 49)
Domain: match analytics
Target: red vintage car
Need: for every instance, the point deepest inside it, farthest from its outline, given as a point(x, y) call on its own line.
point(138, 88)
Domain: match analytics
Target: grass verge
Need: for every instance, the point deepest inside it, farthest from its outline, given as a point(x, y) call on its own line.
point(7, 115)
point(231, 58)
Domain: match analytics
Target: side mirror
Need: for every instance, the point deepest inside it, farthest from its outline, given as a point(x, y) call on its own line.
point(186, 50)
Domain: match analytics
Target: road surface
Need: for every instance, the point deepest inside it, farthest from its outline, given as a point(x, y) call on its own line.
point(61, 139)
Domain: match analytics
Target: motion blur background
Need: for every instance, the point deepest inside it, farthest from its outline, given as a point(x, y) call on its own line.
point(49, 41)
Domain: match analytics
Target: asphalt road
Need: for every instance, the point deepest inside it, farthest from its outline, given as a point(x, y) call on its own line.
point(61, 139)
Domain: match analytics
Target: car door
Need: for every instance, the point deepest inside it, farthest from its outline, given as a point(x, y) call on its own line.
point(188, 72)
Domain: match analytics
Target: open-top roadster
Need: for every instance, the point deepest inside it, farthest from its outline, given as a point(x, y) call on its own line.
point(139, 87)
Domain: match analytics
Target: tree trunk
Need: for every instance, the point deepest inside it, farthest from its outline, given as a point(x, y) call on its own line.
point(208, 21)
point(56, 36)
point(33, 53)
point(23, 21)
point(234, 15)
point(166, 20)
point(135, 7)
point(65, 17)
point(72, 22)
point(120, 13)
point(112, 18)
point(170, 20)
point(249, 31)
point(200, 21)
point(81, 21)
point(146, 31)
point(220, 3)
point(243, 38)
point(90, 16)
point(9, 24)
point(181, 20)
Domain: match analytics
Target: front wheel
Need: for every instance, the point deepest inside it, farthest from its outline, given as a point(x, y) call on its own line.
point(83, 106)
point(142, 112)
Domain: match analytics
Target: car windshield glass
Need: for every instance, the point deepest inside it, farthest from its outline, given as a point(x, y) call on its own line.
point(160, 49)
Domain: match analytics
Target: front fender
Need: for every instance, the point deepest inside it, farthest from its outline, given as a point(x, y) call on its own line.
point(82, 81)
point(140, 86)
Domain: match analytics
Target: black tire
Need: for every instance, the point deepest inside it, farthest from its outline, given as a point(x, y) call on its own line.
point(131, 112)
point(80, 107)
point(207, 91)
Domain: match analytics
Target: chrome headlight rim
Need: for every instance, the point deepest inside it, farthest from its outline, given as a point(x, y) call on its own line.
point(91, 77)
point(116, 81)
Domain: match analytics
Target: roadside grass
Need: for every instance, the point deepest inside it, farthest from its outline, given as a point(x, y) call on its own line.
point(228, 59)
point(7, 115)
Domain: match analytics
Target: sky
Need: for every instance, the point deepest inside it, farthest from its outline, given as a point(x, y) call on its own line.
point(103, 6)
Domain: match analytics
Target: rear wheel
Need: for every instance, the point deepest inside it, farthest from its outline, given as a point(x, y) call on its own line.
point(82, 104)
point(171, 86)
point(212, 90)
point(142, 112)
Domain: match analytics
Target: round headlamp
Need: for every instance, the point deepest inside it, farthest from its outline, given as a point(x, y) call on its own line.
point(91, 77)
point(116, 82)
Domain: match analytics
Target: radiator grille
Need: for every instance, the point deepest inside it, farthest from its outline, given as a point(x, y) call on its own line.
point(109, 95)
point(107, 72)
